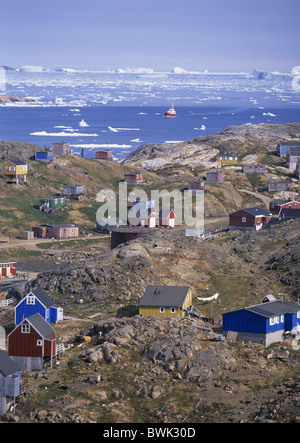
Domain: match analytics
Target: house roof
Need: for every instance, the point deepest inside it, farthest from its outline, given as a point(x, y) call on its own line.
point(257, 212)
point(288, 213)
point(16, 162)
point(40, 325)
point(165, 296)
point(294, 150)
point(43, 297)
point(163, 213)
point(7, 365)
point(289, 144)
point(272, 308)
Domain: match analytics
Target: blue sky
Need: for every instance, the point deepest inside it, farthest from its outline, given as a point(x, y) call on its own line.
point(218, 35)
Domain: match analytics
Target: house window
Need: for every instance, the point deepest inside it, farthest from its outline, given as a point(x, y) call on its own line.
point(47, 313)
point(172, 310)
point(11, 168)
point(244, 219)
point(30, 300)
point(282, 318)
point(162, 310)
point(298, 314)
point(274, 320)
point(25, 329)
point(39, 343)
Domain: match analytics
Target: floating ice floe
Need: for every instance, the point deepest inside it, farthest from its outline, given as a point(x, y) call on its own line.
point(200, 129)
point(96, 145)
point(83, 123)
point(270, 114)
point(62, 134)
point(122, 129)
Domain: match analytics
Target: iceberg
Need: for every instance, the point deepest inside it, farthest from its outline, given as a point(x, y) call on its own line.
point(83, 123)
point(30, 68)
point(135, 71)
point(180, 71)
point(261, 75)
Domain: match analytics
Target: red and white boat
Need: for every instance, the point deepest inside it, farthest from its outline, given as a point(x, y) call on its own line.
point(171, 112)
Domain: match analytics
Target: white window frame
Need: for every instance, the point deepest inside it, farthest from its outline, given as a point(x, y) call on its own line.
point(25, 329)
point(172, 310)
point(282, 318)
point(39, 342)
point(30, 300)
point(244, 219)
point(298, 314)
point(161, 310)
point(47, 313)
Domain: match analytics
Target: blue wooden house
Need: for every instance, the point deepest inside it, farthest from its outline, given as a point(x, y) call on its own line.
point(264, 323)
point(44, 156)
point(37, 301)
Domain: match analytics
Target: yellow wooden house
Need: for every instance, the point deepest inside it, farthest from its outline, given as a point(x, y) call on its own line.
point(15, 170)
point(226, 158)
point(166, 301)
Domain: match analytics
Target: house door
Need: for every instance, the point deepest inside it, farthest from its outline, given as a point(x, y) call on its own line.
point(172, 222)
point(152, 222)
point(60, 314)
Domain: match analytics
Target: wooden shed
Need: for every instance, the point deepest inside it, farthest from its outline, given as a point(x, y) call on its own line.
point(104, 155)
point(167, 218)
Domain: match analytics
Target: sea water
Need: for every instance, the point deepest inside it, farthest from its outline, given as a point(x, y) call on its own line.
point(120, 112)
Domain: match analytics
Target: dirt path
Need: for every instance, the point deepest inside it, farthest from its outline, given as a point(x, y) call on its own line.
point(263, 198)
point(32, 244)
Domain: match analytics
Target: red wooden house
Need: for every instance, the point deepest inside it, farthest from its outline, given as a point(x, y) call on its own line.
point(8, 269)
point(277, 205)
point(31, 342)
point(249, 219)
point(133, 179)
point(167, 218)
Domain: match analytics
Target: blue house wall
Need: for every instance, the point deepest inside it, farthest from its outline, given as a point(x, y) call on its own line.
point(244, 321)
point(44, 155)
point(24, 310)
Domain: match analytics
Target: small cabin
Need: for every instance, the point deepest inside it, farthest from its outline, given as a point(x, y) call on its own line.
point(215, 177)
point(104, 155)
point(196, 185)
point(61, 148)
point(254, 169)
point(52, 204)
point(44, 156)
point(8, 269)
point(15, 171)
point(74, 192)
point(167, 218)
point(133, 179)
point(226, 158)
point(166, 301)
point(292, 157)
point(278, 186)
point(283, 147)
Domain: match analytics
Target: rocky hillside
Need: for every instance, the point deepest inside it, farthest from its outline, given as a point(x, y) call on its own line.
point(119, 367)
point(235, 140)
point(9, 99)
